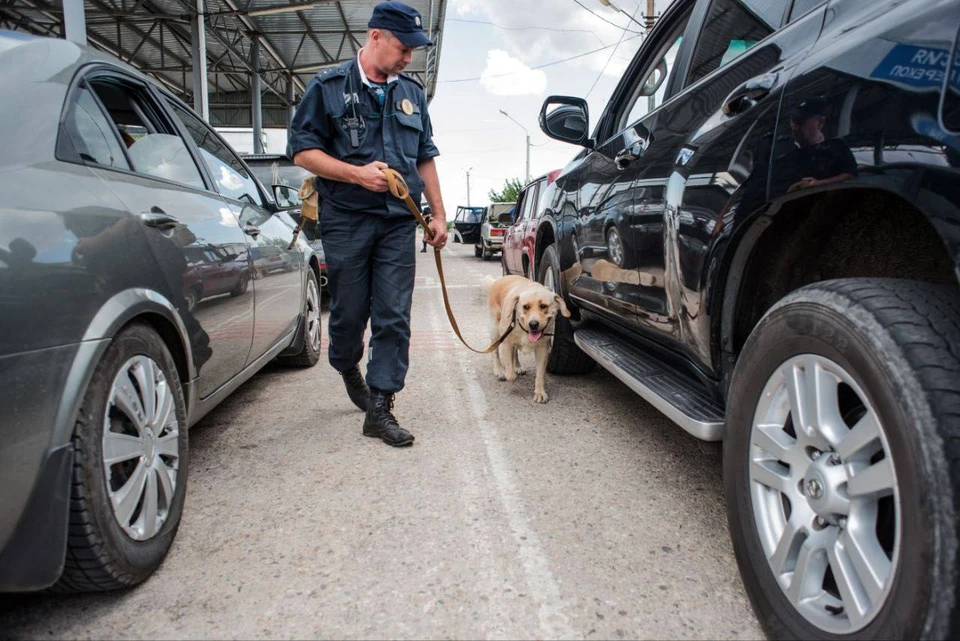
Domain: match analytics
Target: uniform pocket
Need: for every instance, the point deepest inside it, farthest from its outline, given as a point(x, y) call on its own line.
point(409, 133)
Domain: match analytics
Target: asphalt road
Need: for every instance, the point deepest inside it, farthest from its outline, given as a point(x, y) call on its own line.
point(592, 516)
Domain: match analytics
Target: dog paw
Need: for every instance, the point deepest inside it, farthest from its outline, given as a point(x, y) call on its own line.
point(511, 376)
point(540, 397)
point(521, 371)
point(501, 377)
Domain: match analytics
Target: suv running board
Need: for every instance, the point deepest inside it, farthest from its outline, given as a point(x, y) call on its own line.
point(686, 404)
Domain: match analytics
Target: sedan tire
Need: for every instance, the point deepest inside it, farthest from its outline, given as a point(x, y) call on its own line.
point(130, 466)
point(310, 353)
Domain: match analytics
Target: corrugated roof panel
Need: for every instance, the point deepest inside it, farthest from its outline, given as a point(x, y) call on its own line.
point(158, 37)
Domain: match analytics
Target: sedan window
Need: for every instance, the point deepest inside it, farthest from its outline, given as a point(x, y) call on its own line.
point(152, 150)
point(229, 173)
point(92, 134)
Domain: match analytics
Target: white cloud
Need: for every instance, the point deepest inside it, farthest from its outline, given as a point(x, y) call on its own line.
point(557, 29)
point(505, 75)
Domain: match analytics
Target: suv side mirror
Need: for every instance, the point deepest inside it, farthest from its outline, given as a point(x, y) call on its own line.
point(568, 121)
point(286, 196)
point(506, 218)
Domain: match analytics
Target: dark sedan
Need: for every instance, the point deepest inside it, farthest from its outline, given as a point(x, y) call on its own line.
point(129, 232)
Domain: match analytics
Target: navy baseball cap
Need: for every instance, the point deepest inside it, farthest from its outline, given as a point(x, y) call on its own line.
point(401, 20)
point(809, 108)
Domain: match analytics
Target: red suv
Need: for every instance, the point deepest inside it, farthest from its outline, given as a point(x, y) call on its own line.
point(520, 238)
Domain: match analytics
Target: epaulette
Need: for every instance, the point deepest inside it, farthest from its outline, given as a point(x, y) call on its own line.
point(330, 72)
point(412, 79)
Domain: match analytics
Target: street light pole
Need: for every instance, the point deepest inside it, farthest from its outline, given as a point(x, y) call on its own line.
point(468, 186)
point(528, 142)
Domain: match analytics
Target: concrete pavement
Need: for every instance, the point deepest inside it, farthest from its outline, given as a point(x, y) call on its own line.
point(592, 516)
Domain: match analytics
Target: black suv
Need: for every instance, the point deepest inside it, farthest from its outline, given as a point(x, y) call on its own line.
point(761, 238)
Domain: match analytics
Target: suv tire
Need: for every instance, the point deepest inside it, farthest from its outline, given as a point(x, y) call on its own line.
point(102, 554)
point(310, 353)
point(882, 357)
point(565, 356)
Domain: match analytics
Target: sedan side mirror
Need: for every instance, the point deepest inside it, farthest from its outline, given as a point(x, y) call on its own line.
point(286, 196)
point(568, 121)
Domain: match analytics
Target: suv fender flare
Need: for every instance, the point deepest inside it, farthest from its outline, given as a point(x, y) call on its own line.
point(746, 238)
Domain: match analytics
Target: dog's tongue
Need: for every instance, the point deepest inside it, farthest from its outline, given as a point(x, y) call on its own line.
point(534, 336)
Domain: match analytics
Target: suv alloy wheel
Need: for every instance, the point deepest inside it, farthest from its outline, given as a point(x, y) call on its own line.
point(839, 487)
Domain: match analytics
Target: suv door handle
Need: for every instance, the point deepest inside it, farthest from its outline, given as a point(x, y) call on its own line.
point(747, 95)
point(158, 218)
point(250, 230)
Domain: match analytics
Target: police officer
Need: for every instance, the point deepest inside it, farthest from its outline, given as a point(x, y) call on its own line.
point(354, 120)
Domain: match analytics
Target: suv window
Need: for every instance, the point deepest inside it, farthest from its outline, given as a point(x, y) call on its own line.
point(151, 149)
point(731, 28)
point(91, 133)
point(650, 92)
point(228, 172)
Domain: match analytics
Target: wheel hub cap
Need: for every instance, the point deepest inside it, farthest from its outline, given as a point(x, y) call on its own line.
point(824, 492)
point(824, 486)
point(140, 447)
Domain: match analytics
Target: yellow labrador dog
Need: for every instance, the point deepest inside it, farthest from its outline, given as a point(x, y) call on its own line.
point(532, 308)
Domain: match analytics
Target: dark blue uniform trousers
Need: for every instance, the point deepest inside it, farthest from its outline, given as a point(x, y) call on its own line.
point(371, 264)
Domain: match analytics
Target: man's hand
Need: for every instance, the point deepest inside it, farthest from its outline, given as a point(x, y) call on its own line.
point(438, 226)
point(370, 177)
point(805, 183)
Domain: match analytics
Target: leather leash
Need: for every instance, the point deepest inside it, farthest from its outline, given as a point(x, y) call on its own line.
point(398, 187)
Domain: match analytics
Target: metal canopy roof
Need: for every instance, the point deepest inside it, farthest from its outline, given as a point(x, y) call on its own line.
point(296, 40)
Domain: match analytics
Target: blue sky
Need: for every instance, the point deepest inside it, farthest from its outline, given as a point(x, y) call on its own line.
point(468, 127)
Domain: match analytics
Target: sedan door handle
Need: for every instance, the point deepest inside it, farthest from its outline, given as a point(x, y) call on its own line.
point(159, 219)
point(250, 230)
point(747, 95)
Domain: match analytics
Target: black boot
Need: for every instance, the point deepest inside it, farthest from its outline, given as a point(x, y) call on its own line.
point(381, 423)
point(356, 388)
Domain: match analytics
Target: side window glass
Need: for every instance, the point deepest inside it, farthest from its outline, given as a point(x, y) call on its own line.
point(230, 175)
point(92, 134)
point(520, 208)
point(152, 150)
point(529, 199)
point(651, 91)
point(802, 7)
point(731, 28)
point(544, 199)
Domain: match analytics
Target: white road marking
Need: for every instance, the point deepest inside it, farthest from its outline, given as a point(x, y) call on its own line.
point(543, 587)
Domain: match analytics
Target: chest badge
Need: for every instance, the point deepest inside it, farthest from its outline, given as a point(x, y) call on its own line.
point(406, 106)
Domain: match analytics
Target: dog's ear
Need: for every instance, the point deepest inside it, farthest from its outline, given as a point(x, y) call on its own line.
point(563, 305)
point(507, 309)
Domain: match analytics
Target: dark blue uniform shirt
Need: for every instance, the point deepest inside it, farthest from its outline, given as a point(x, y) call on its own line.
point(335, 100)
